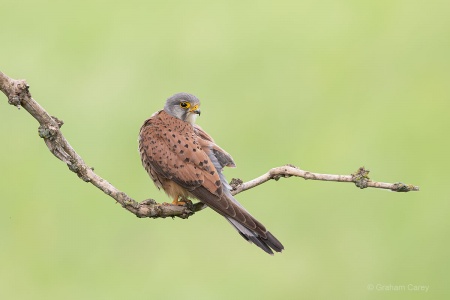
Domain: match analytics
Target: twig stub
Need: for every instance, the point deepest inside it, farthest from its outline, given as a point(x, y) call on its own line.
point(361, 177)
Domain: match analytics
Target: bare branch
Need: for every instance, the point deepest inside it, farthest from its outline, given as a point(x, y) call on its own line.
point(18, 95)
point(17, 92)
point(360, 178)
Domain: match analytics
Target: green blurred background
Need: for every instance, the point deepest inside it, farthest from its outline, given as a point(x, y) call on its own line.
point(326, 85)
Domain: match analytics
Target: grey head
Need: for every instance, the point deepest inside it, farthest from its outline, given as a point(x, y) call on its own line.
point(183, 106)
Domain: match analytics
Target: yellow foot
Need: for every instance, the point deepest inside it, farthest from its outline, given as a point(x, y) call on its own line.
point(181, 203)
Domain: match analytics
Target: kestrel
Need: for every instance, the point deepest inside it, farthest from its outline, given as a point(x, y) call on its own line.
point(183, 160)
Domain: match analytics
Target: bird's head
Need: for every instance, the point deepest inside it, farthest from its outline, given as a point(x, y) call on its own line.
point(183, 106)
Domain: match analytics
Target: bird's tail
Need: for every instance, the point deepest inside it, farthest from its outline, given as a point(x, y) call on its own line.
point(267, 242)
point(248, 227)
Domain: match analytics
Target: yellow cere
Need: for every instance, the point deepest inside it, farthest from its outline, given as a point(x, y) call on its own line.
point(194, 108)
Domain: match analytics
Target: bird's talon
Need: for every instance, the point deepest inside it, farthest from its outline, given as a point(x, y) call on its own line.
point(184, 202)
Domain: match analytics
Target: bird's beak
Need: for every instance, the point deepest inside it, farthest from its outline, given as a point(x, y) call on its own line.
point(195, 110)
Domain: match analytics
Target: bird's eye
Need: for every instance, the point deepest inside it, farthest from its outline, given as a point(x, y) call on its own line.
point(185, 104)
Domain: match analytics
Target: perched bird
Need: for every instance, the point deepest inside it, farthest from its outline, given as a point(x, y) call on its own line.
point(183, 160)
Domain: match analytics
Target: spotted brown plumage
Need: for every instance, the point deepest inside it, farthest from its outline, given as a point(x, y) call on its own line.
point(183, 160)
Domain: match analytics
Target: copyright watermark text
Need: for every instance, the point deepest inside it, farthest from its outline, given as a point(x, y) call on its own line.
point(410, 287)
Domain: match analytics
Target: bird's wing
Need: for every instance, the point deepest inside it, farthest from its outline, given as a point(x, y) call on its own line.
point(247, 226)
point(175, 152)
point(170, 148)
point(206, 142)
